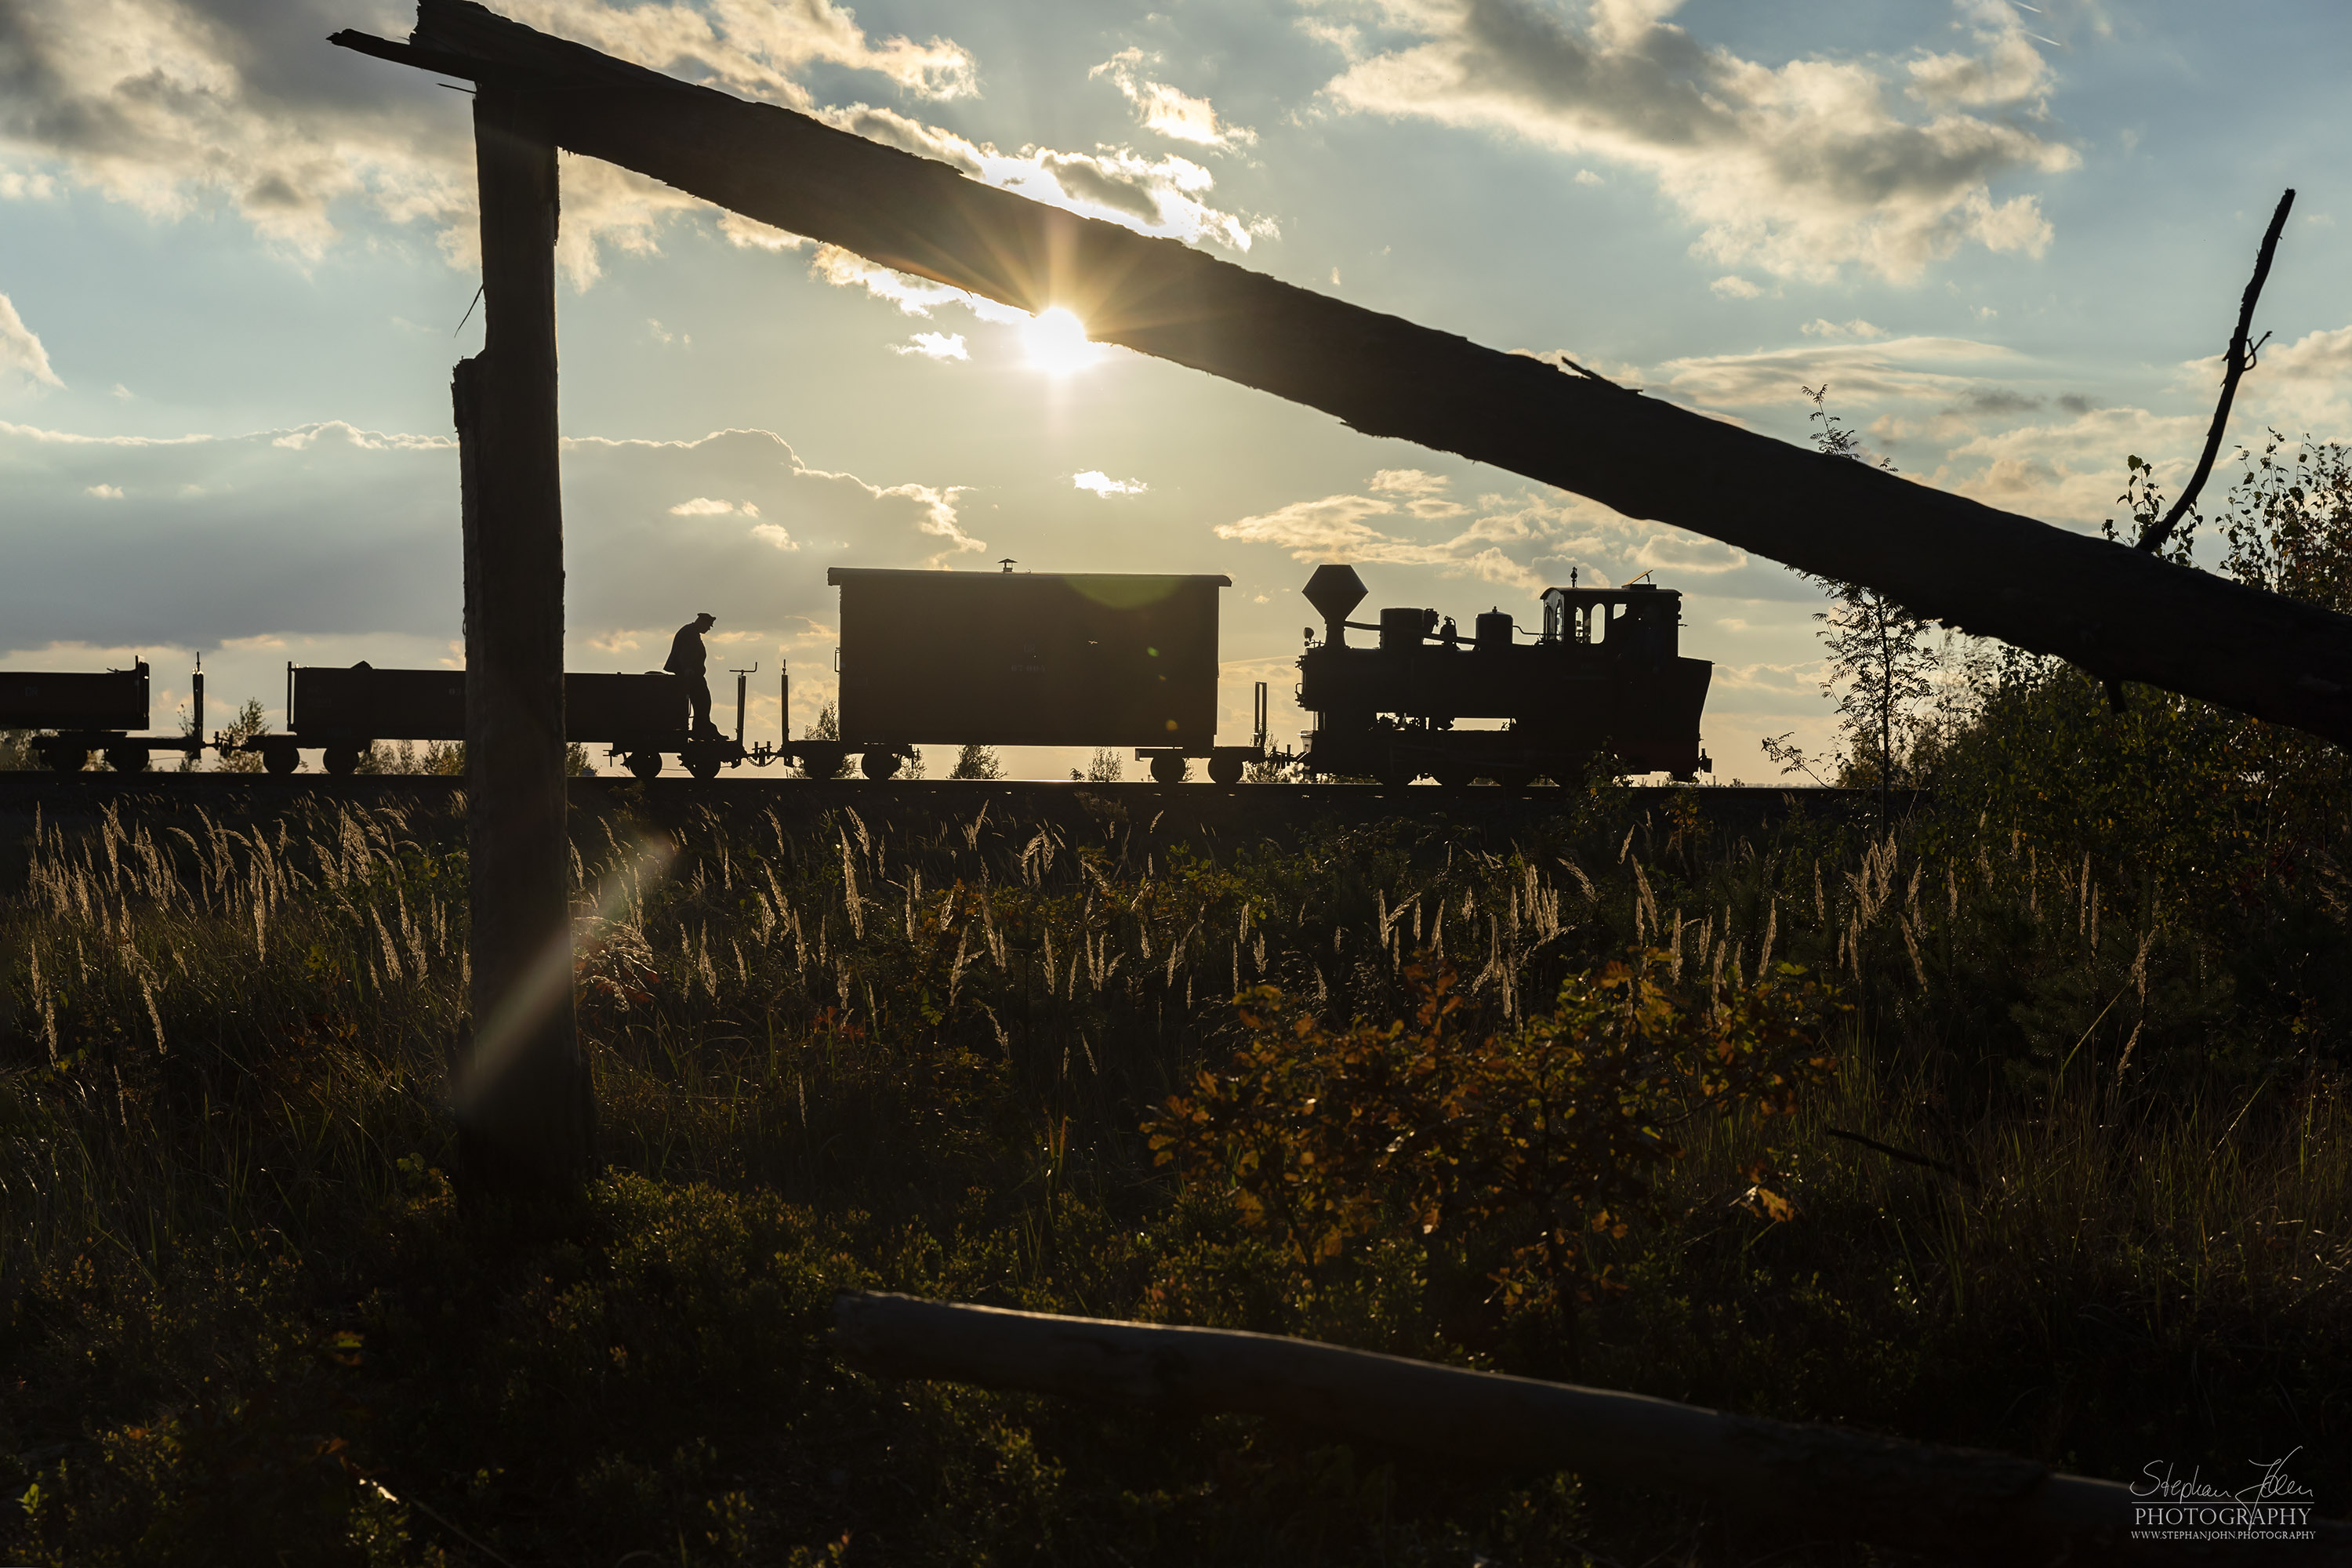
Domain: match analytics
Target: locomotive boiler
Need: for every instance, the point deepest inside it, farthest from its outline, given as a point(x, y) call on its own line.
point(1604, 678)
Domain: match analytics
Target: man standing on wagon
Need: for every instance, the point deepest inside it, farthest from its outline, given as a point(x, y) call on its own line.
point(687, 662)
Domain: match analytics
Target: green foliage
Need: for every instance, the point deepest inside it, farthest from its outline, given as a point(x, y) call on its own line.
point(915, 1052)
point(16, 751)
point(1105, 766)
point(247, 723)
point(1883, 658)
point(826, 727)
point(1520, 1139)
point(977, 762)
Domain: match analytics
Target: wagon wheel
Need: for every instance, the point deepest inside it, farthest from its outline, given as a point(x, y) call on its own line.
point(66, 758)
point(342, 761)
point(878, 764)
point(702, 765)
point(645, 765)
point(127, 759)
point(1167, 770)
point(1225, 770)
point(281, 759)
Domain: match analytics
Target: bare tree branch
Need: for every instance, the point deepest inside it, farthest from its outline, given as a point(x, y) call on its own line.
point(2240, 359)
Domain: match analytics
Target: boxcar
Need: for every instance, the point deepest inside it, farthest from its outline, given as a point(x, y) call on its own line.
point(1030, 659)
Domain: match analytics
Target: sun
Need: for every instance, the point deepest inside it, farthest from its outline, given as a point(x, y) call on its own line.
point(1057, 342)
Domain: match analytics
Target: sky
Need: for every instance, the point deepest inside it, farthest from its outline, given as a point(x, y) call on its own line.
point(237, 267)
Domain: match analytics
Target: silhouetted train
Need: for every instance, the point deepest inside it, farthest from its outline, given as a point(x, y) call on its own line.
point(1055, 660)
point(1603, 678)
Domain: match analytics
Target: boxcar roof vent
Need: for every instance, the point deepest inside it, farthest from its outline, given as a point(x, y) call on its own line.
point(1334, 591)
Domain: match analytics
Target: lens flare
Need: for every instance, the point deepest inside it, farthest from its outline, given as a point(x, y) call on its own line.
point(1057, 342)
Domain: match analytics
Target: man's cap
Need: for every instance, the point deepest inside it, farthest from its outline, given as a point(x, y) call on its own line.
point(703, 616)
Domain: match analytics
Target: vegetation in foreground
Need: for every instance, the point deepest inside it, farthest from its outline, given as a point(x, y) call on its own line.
point(2095, 994)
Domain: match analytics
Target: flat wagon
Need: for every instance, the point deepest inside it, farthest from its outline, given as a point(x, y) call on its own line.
point(86, 712)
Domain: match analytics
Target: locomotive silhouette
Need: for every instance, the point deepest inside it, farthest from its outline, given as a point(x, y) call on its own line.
point(1603, 678)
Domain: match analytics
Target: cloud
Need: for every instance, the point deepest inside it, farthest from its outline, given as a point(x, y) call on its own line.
point(1103, 484)
point(2302, 386)
point(1499, 539)
point(1857, 328)
point(216, 537)
point(104, 492)
point(2071, 471)
point(177, 107)
point(20, 347)
point(1888, 367)
point(1735, 288)
point(1164, 195)
point(1173, 114)
point(1803, 169)
point(934, 345)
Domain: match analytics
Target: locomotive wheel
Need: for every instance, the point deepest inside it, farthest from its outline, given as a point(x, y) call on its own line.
point(127, 759)
point(281, 759)
point(1225, 770)
point(645, 765)
point(702, 765)
point(66, 758)
point(342, 761)
point(878, 764)
point(1167, 770)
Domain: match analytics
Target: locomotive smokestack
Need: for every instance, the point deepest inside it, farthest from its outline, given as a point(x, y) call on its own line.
point(1335, 590)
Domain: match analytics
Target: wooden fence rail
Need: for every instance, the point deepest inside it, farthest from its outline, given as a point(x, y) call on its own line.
point(2117, 612)
point(1821, 1481)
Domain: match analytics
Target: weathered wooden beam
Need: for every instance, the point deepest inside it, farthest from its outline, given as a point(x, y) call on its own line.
point(523, 1095)
point(1824, 1480)
point(2113, 610)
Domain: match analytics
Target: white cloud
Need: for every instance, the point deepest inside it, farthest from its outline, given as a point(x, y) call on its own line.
point(773, 533)
point(1524, 541)
point(1820, 327)
point(1163, 196)
point(176, 107)
point(1800, 169)
point(20, 347)
point(104, 492)
point(704, 506)
point(1103, 484)
point(934, 345)
point(1735, 288)
point(1173, 114)
point(1891, 367)
point(1587, 177)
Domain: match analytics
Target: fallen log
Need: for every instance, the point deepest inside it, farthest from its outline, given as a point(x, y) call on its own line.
point(2118, 613)
point(1822, 1481)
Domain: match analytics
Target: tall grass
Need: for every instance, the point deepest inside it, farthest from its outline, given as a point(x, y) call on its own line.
point(844, 1050)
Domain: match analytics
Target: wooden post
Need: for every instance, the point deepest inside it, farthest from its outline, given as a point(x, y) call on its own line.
point(523, 1101)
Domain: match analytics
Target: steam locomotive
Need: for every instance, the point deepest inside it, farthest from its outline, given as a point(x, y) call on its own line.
point(1604, 678)
point(1055, 660)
